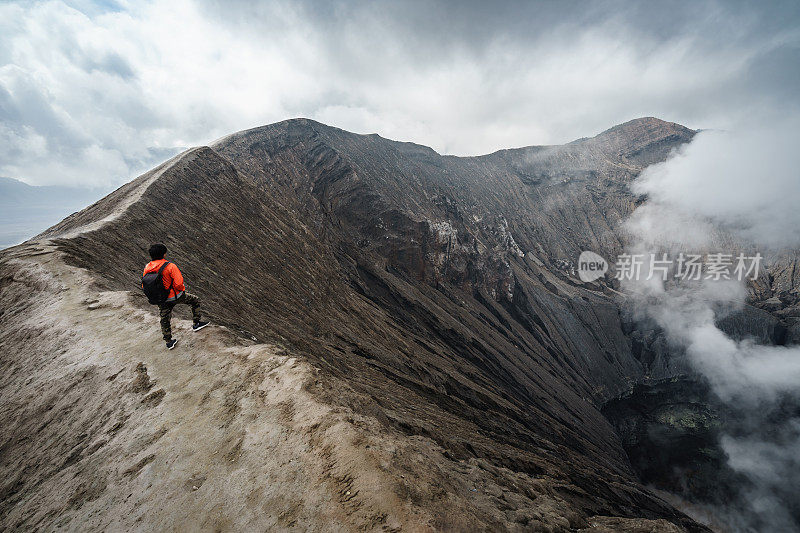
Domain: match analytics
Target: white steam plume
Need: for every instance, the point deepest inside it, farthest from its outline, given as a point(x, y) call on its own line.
point(747, 182)
point(723, 192)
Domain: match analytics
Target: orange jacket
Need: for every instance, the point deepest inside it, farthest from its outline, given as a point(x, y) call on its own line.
point(171, 276)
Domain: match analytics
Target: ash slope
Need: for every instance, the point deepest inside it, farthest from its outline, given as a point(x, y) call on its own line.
point(429, 284)
point(102, 432)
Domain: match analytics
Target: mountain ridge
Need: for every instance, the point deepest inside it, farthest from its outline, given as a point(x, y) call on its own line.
point(433, 286)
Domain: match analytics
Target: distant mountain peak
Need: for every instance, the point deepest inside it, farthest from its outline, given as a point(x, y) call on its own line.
point(643, 130)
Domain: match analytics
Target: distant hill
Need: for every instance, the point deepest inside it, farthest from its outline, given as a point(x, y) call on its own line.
point(26, 210)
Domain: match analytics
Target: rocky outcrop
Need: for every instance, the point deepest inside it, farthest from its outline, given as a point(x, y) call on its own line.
point(753, 323)
point(671, 430)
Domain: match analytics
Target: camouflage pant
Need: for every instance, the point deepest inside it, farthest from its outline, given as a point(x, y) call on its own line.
point(165, 311)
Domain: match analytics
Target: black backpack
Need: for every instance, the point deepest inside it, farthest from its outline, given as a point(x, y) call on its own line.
point(153, 286)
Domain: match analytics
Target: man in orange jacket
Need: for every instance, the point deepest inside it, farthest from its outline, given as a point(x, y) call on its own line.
point(173, 283)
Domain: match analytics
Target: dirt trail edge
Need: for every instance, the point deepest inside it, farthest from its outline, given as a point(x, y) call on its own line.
point(104, 429)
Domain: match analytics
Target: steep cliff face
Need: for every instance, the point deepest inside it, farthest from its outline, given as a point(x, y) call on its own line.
point(435, 287)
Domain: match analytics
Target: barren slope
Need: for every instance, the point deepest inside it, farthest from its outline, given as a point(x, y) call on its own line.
point(103, 430)
point(427, 291)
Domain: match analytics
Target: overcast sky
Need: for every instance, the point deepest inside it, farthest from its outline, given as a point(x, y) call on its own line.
point(94, 93)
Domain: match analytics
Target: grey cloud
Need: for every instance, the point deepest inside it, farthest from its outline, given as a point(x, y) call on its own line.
point(30, 108)
point(110, 63)
point(463, 77)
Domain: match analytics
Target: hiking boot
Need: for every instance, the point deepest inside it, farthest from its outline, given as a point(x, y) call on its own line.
point(171, 343)
point(200, 324)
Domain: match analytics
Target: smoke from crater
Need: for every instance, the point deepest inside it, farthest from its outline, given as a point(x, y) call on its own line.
point(724, 192)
